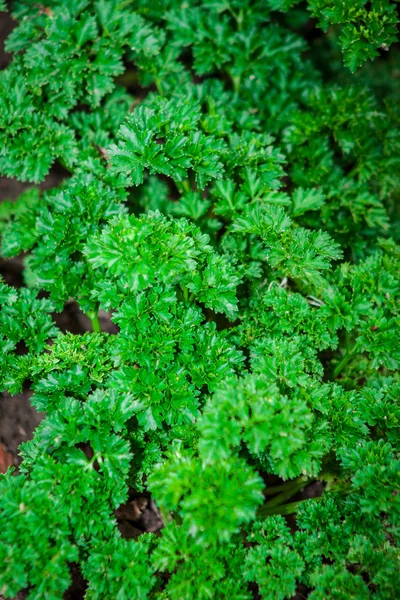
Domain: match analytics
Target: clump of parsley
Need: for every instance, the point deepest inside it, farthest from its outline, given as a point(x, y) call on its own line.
point(232, 203)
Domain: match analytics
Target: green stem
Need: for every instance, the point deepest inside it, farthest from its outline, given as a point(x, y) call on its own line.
point(288, 485)
point(345, 360)
point(94, 319)
point(236, 81)
point(240, 20)
point(185, 185)
point(158, 86)
point(285, 509)
point(291, 490)
point(290, 508)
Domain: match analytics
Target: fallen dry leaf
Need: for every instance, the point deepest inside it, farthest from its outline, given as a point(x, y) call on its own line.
point(132, 510)
point(6, 459)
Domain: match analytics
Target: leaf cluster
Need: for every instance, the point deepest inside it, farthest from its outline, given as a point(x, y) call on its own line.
point(231, 205)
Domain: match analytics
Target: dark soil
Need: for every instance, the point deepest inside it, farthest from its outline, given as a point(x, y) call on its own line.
point(6, 27)
point(18, 419)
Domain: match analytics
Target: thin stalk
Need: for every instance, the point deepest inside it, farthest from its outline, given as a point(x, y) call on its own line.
point(276, 489)
point(287, 493)
point(285, 509)
point(158, 86)
point(187, 296)
point(236, 81)
point(185, 183)
point(94, 319)
point(349, 355)
point(290, 508)
point(239, 20)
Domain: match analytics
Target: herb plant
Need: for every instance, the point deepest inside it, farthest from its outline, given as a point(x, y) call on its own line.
point(231, 200)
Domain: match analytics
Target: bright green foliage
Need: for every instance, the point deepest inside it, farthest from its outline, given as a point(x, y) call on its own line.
point(29, 509)
point(189, 562)
point(273, 564)
point(231, 202)
point(356, 547)
point(127, 566)
point(56, 228)
point(158, 252)
point(25, 325)
point(180, 146)
point(232, 480)
point(68, 57)
point(249, 412)
point(335, 148)
point(363, 29)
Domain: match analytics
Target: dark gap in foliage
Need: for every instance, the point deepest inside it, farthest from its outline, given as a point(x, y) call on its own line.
point(221, 321)
point(21, 348)
point(27, 386)
point(247, 359)
point(11, 270)
point(312, 490)
point(7, 24)
point(72, 319)
point(254, 590)
point(76, 256)
point(187, 59)
point(18, 419)
point(78, 586)
point(302, 592)
point(271, 480)
point(88, 452)
point(139, 514)
point(43, 295)
point(326, 357)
